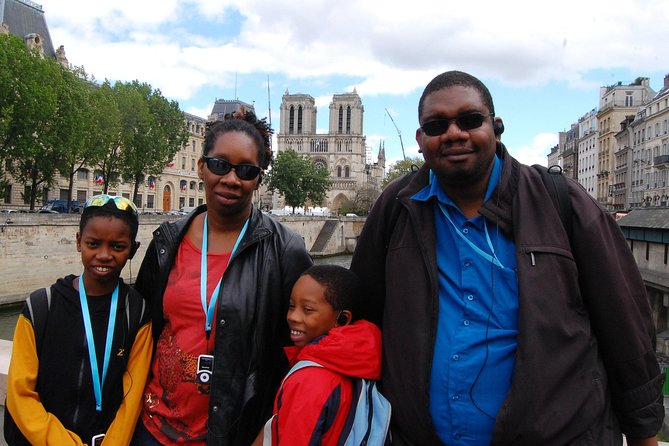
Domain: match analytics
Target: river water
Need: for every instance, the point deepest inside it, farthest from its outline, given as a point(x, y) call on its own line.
point(10, 312)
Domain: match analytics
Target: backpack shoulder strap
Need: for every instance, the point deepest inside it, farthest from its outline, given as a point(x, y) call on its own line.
point(556, 185)
point(38, 304)
point(135, 310)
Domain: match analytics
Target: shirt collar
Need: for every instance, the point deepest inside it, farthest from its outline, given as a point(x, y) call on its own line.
point(434, 189)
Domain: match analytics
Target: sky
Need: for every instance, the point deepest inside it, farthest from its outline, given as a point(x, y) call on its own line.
point(544, 62)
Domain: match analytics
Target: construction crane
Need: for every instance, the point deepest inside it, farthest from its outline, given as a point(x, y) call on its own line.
point(398, 133)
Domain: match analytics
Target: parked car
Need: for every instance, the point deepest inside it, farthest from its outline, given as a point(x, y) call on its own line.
point(60, 206)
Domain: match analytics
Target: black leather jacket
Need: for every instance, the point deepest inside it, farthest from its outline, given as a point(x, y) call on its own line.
point(251, 318)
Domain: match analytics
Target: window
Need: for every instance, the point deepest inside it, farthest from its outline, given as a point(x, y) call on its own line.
point(200, 201)
point(191, 202)
point(182, 202)
point(192, 165)
point(629, 100)
point(82, 196)
point(8, 193)
point(299, 119)
point(341, 119)
point(348, 119)
point(193, 142)
point(183, 162)
point(200, 186)
point(26, 194)
point(339, 171)
point(192, 186)
point(82, 174)
point(347, 171)
point(138, 200)
point(149, 201)
point(291, 120)
point(183, 184)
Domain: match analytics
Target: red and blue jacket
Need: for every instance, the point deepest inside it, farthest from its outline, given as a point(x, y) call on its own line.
point(313, 403)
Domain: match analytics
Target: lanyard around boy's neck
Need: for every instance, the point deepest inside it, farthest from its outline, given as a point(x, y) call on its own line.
point(490, 258)
point(209, 310)
point(92, 355)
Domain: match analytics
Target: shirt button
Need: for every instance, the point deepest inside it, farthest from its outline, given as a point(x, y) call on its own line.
point(470, 297)
point(214, 409)
point(465, 323)
point(162, 250)
point(465, 231)
point(456, 357)
point(455, 397)
point(222, 322)
point(467, 263)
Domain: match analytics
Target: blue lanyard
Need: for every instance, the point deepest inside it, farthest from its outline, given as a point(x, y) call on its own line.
point(209, 310)
point(92, 355)
point(490, 258)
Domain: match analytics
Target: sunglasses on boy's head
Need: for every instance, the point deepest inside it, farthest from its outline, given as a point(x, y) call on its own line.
point(121, 203)
point(219, 166)
point(467, 121)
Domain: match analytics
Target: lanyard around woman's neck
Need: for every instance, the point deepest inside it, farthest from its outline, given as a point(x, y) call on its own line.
point(490, 258)
point(209, 309)
point(92, 355)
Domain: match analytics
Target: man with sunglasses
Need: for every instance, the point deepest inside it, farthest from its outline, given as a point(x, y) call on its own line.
point(497, 328)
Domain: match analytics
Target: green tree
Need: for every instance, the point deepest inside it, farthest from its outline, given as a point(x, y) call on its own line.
point(104, 138)
point(76, 128)
point(152, 131)
point(400, 168)
point(30, 113)
point(297, 179)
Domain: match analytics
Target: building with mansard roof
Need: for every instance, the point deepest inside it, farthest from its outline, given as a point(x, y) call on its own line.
point(342, 150)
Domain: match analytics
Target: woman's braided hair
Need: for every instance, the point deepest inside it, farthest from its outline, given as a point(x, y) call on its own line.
point(244, 121)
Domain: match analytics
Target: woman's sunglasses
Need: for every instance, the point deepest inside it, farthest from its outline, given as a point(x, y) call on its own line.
point(219, 166)
point(122, 203)
point(467, 121)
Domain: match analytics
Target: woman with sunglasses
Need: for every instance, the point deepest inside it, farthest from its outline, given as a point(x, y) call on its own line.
point(219, 282)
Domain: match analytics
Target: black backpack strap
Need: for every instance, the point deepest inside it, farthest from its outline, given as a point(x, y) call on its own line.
point(135, 310)
point(38, 304)
point(556, 185)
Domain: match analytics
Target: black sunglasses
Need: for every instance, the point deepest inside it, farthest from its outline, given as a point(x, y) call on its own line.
point(467, 121)
point(219, 166)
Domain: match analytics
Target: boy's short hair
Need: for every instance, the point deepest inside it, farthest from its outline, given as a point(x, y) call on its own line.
point(110, 209)
point(342, 287)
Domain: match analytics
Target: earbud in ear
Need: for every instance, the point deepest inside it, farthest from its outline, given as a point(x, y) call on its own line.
point(498, 126)
point(341, 319)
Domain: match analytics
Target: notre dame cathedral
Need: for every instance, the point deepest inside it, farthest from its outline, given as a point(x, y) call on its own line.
point(342, 150)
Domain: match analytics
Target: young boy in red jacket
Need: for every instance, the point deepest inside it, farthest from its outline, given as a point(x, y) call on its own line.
point(313, 403)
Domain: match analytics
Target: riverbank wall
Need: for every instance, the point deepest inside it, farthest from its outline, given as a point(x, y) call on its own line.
point(37, 249)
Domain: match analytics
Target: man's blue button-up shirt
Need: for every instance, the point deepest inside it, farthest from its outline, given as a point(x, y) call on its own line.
point(474, 351)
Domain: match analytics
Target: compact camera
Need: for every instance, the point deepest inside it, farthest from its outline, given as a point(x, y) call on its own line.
point(205, 367)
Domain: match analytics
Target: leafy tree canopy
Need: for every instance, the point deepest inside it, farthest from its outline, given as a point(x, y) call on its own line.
point(297, 179)
point(400, 168)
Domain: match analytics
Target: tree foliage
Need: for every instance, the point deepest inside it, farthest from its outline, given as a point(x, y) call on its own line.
point(298, 180)
point(54, 119)
point(33, 105)
point(152, 131)
point(401, 168)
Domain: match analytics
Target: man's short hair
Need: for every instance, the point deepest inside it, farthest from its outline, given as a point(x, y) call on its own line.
point(452, 79)
point(342, 287)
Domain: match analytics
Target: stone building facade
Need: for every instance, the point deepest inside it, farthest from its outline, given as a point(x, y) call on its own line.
point(342, 150)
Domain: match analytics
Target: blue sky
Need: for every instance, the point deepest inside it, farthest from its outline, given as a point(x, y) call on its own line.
point(543, 62)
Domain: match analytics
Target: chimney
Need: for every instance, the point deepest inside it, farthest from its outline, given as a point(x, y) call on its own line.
point(666, 81)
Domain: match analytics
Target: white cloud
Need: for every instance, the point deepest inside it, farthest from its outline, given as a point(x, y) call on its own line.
point(537, 152)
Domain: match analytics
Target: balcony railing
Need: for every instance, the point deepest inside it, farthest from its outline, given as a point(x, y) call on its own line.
point(661, 162)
